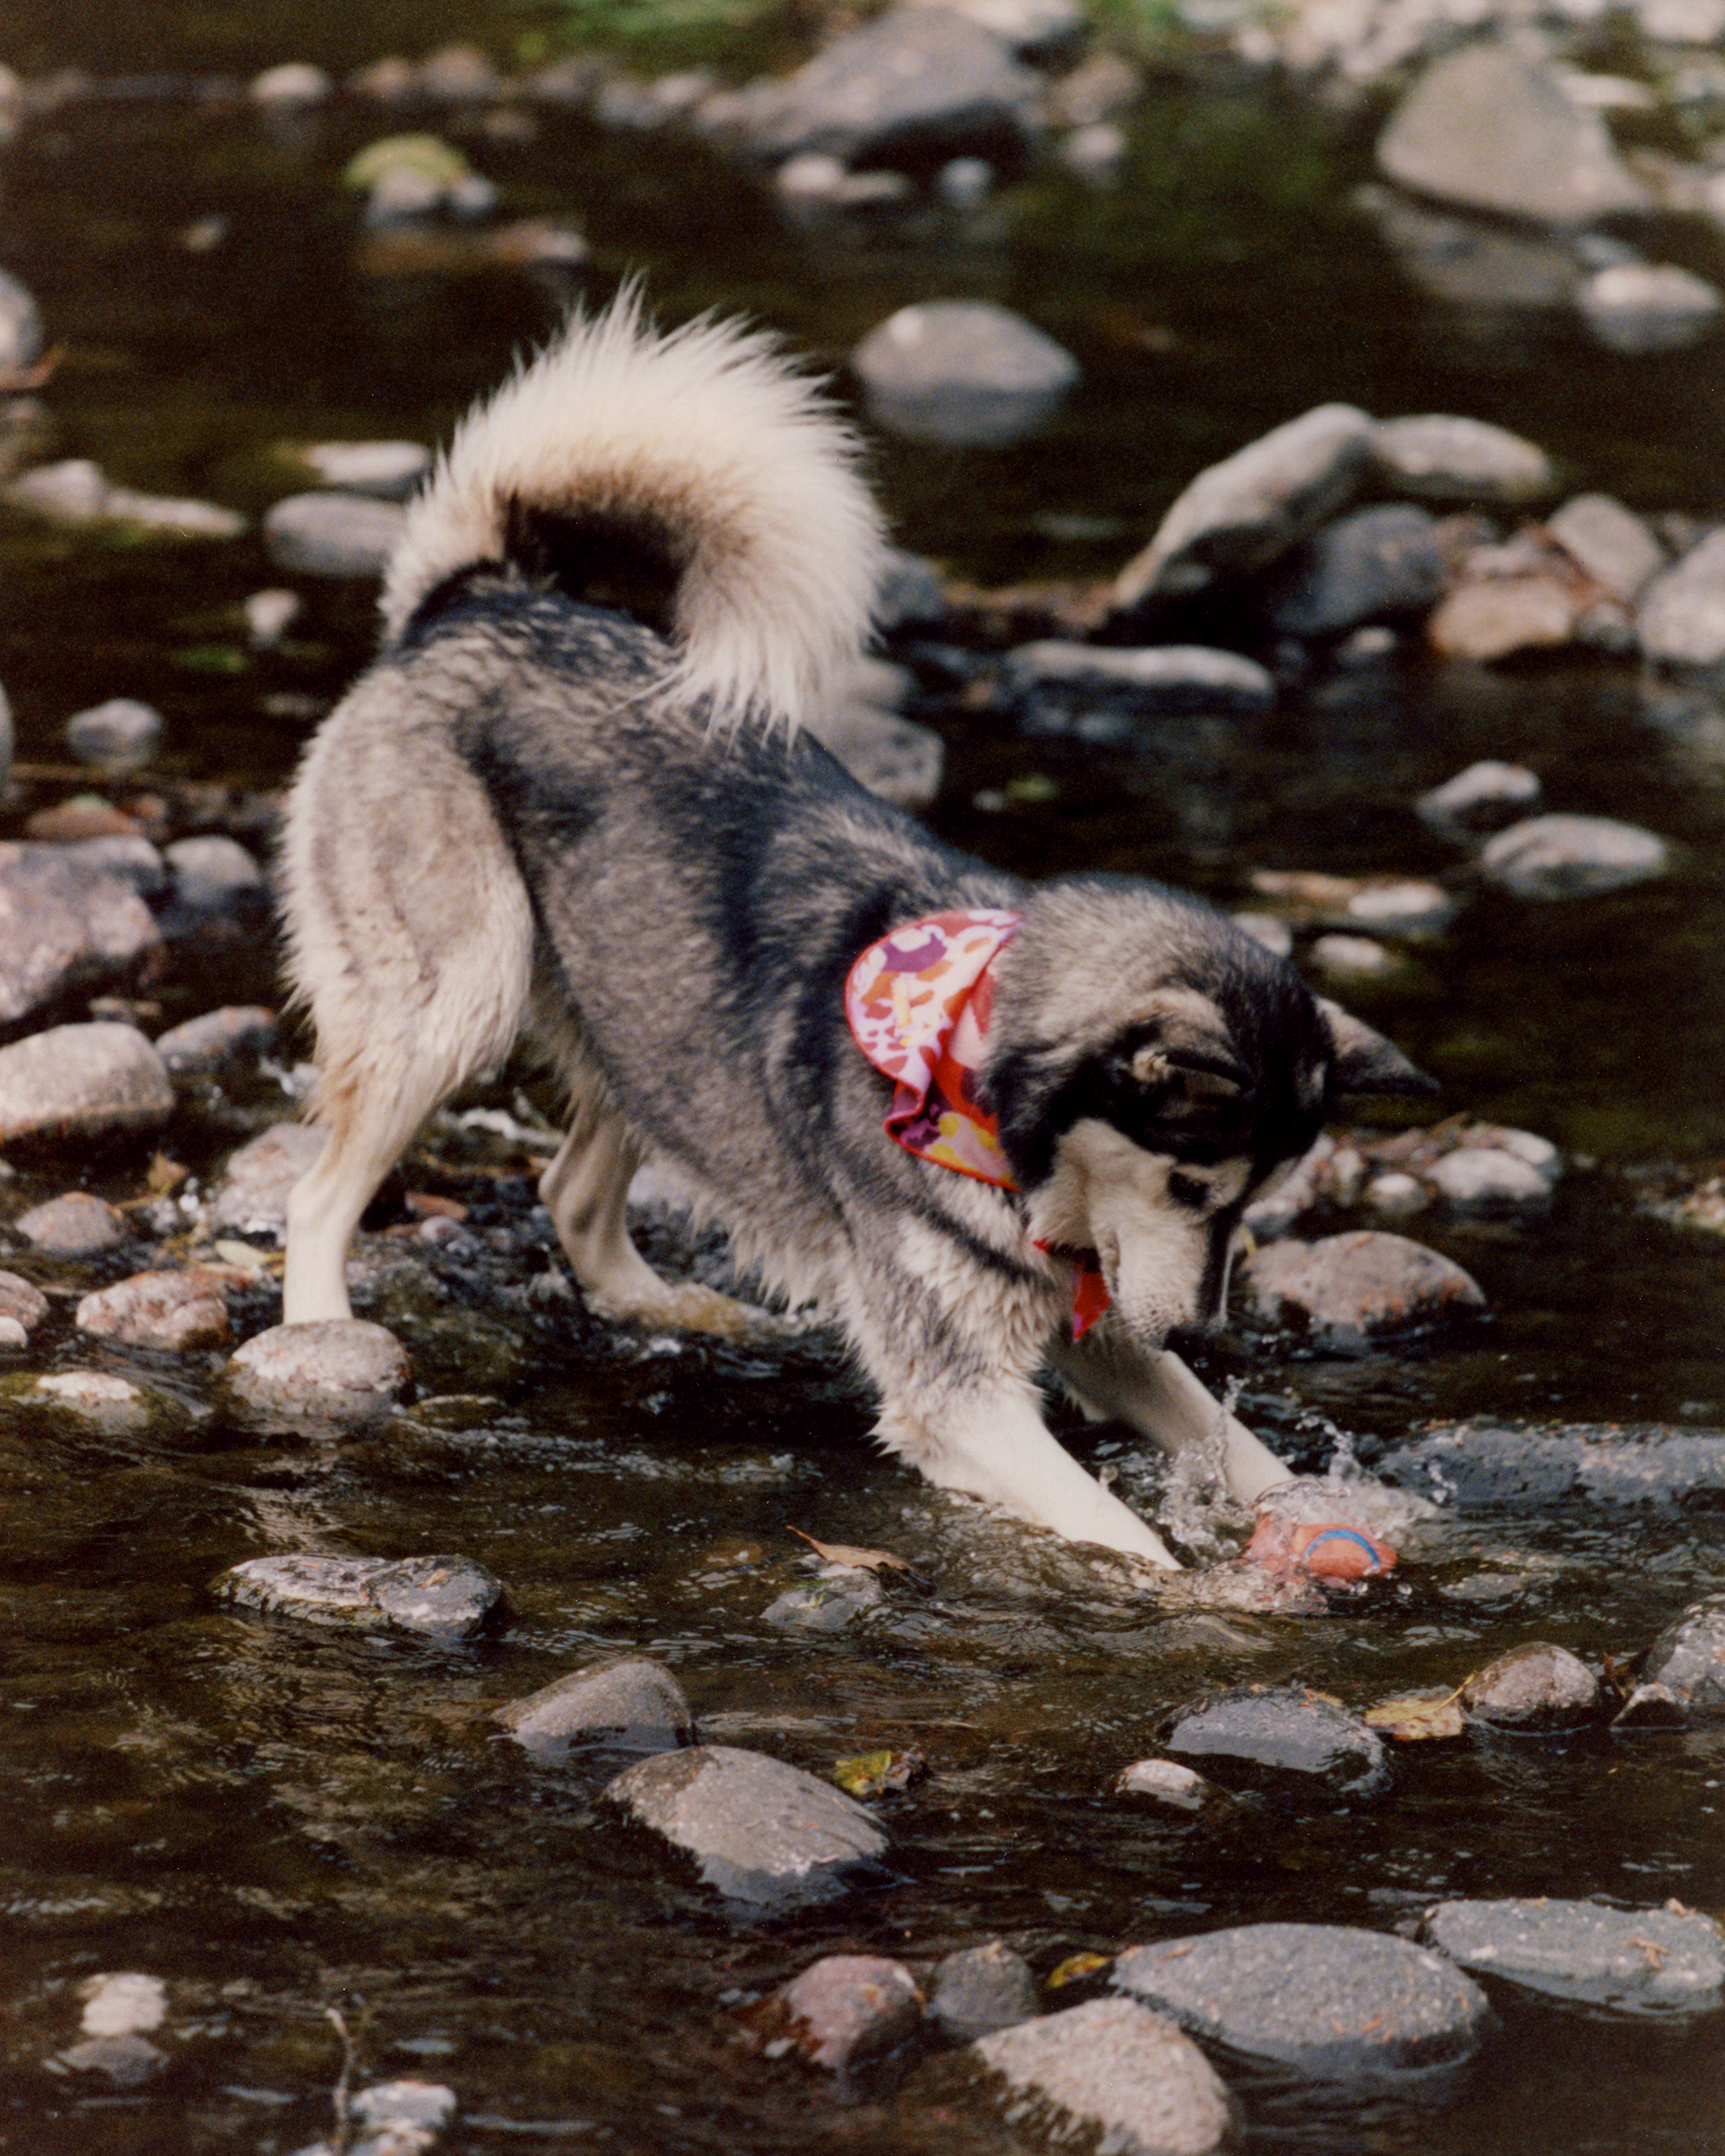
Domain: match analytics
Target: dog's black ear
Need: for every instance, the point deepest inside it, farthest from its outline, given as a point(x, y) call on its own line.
point(1365, 1062)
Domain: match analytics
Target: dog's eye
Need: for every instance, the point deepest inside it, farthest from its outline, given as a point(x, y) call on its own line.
point(1188, 1190)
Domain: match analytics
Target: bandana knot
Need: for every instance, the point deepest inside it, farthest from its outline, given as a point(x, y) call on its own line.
point(918, 1003)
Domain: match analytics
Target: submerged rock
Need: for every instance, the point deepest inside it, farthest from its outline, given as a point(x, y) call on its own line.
point(981, 1989)
point(1122, 2078)
point(848, 2008)
point(1257, 1737)
point(1101, 694)
point(1562, 856)
point(1487, 130)
point(962, 373)
point(82, 1082)
point(1485, 1466)
point(1533, 1690)
point(98, 1397)
point(1245, 513)
point(440, 1596)
point(1657, 1960)
point(1328, 2001)
point(1349, 1290)
point(339, 1371)
point(765, 1835)
point(631, 1704)
point(1181, 1788)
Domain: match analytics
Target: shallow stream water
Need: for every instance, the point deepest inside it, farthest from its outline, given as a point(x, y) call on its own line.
point(277, 1821)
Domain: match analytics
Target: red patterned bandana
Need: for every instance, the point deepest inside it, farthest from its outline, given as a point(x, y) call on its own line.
point(918, 1003)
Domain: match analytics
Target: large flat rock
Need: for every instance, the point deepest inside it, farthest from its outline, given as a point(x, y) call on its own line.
point(1635, 1961)
point(1124, 2078)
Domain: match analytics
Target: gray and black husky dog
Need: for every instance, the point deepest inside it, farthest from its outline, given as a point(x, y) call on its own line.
point(571, 799)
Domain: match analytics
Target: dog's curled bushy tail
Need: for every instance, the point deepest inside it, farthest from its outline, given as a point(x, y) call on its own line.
point(694, 472)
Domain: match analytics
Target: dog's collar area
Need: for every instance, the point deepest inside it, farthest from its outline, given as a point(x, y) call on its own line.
point(918, 1003)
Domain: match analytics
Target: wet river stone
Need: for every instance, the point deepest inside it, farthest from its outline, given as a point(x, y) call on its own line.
point(1167, 1782)
point(1105, 695)
point(765, 1835)
point(920, 85)
point(204, 1045)
point(1487, 1466)
point(23, 1306)
point(1688, 1659)
point(962, 373)
point(981, 1989)
point(254, 1193)
point(1438, 457)
point(1486, 1178)
point(1261, 1737)
point(1669, 1959)
point(848, 2008)
point(1375, 563)
point(1246, 512)
point(1483, 798)
point(1329, 2002)
point(338, 1370)
point(1610, 542)
point(445, 1598)
point(76, 1225)
point(1561, 856)
point(121, 735)
point(629, 1703)
point(64, 927)
point(173, 1310)
point(333, 534)
point(1648, 306)
point(1122, 2078)
point(1682, 617)
point(82, 1082)
point(1533, 1690)
point(1346, 1291)
point(110, 1403)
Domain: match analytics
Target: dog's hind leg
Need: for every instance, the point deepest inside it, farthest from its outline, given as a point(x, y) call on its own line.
point(585, 1191)
point(1158, 1394)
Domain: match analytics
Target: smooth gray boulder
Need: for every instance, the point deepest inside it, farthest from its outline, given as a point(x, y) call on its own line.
point(97, 1080)
point(1098, 692)
point(981, 1989)
point(765, 1835)
point(962, 373)
point(1346, 1291)
point(387, 471)
point(340, 1370)
point(66, 927)
point(1564, 856)
point(1668, 1961)
point(1681, 620)
point(1487, 130)
point(332, 534)
point(629, 1703)
point(439, 1598)
point(1116, 2077)
point(1434, 456)
point(1368, 566)
point(1488, 1178)
point(912, 89)
point(1260, 1737)
point(217, 875)
point(1648, 306)
point(1326, 2001)
point(121, 735)
point(1246, 512)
